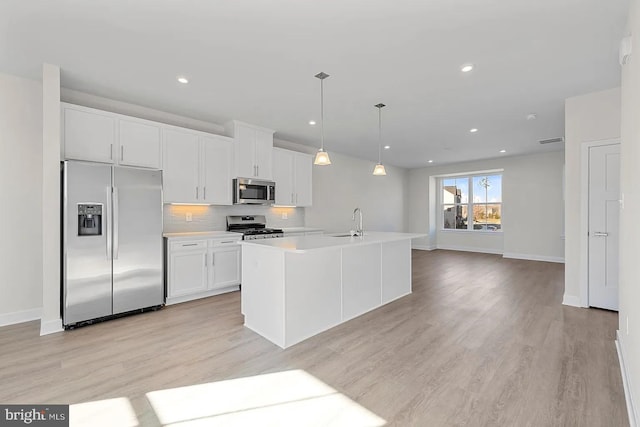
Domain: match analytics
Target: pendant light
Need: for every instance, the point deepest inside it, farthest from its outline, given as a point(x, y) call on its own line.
point(378, 170)
point(322, 157)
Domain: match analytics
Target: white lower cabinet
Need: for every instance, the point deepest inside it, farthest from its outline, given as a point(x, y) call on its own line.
point(226, 267)
point(201, 268)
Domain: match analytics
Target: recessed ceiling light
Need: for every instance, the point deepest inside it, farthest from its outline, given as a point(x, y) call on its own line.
point(474, 130)
point(503, 151)
point(430, 161)
point(532, 116)
point(183, 80)
point(386, 147)
point(466, 68)
point(312, 122)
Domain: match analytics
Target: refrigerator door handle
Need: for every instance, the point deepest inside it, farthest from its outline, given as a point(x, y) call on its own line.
point(108, 225)
point(116, 239)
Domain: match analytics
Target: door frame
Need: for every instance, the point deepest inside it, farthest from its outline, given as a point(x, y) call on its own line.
point(584, 214)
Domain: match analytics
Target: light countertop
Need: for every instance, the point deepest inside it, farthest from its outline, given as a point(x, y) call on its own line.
point(315, 242)
point(300, 230)
point(202, 235)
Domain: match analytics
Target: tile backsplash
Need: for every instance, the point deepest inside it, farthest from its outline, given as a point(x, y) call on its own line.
point(214, 218)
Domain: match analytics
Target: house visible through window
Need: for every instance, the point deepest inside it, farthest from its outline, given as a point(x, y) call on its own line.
point(472, 202)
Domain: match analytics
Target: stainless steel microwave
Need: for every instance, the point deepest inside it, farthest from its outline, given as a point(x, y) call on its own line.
point(247, 191)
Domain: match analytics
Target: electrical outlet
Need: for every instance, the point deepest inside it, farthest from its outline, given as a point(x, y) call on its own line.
point(284, 215)
point(189, 217)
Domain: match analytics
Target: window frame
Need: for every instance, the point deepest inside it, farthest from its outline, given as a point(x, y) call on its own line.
point(470, 203)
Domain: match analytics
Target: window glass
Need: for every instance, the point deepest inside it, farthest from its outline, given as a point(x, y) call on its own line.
point(455, 217)
point(480, 196)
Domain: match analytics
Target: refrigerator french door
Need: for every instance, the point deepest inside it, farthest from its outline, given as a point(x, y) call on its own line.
point(112, 241)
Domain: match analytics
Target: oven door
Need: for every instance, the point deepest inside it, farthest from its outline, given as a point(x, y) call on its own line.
point(253, 192)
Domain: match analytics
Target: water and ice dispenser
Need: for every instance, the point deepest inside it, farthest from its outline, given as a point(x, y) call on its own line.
point(89, 219)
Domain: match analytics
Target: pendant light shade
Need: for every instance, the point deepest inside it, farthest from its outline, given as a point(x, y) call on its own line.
point(322, 157)
point(379, 170)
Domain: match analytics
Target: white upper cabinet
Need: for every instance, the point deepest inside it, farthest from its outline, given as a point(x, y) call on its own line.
point(253, 150)
point(88, 134)
point(181, 172)
point(292, 174)
point(139, 144)
point(217, 161)
point(197, 167)
point(101, 136)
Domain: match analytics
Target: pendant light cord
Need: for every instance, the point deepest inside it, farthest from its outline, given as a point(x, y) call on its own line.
point(379, 135)
point(322, 114)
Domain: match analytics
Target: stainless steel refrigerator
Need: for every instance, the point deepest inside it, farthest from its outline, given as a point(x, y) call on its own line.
point(112, 260)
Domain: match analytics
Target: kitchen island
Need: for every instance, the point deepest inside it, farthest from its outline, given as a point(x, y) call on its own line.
point(296, 287)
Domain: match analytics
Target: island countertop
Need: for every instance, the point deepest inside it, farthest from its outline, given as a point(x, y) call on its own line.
point(303, 244)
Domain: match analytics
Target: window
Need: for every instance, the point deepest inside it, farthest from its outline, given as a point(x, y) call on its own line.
point(472, 203)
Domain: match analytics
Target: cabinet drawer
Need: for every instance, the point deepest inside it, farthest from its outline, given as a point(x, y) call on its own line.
point(231, 241)
point(188, 245)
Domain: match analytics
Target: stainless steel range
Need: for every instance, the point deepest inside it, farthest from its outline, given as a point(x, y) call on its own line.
point(252, 227)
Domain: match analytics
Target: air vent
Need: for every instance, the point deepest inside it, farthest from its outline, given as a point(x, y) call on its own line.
point(551, 140)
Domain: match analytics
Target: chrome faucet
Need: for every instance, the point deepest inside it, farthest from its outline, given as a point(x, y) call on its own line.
point(359, 230)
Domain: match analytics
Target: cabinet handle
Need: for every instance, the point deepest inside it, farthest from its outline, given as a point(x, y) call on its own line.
point(205, 260)
point(111, 151)
point(204, 191)
point(296, 198)
point(291, 197)
point(213, 262)
point(257, 170)
point(197, 192)
point(122, 153)
point(189, 244)
point(230, 241)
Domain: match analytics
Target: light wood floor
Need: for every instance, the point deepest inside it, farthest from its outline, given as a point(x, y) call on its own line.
point(481, 341)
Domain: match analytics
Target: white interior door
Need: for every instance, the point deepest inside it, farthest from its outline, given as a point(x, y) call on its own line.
point(604, 208)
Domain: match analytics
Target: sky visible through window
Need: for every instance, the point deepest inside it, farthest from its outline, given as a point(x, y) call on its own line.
point(493, 185)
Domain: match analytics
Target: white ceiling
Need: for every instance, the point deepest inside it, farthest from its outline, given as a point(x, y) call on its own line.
point(254, 60)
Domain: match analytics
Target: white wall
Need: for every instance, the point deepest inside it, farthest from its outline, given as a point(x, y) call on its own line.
point(51, 320)
point(348, 183)
point(532, 207)
point(629, 337)
point(588, 118)
point(20, 199)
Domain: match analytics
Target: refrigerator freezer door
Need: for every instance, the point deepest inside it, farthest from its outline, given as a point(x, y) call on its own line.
point(86, 258)
point(137, 243)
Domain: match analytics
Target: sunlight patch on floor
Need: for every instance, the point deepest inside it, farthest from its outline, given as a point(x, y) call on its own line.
point(103, 413)
point(289, 398)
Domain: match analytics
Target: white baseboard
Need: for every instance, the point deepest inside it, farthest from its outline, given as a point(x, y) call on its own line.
point(50, 326)
point(571, 300)
point(20, 316)
point(469, 249)
point(533, 257)
point(626, 381)
point(424, 247)
point(191, 297)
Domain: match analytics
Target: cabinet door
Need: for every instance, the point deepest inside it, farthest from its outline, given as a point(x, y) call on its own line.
point(226, 267)
point(139, 144)
point(283, 176)
point(89, 135)
point(181, 167)
point(187, 273)
point(264, 153)
point(217, 159)
point(245, 152)
point(303, 179)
